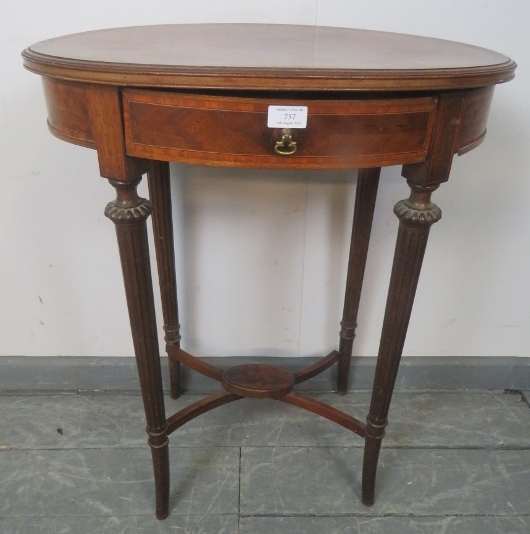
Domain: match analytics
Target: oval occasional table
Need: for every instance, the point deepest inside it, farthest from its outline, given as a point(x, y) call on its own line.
point(272, 97)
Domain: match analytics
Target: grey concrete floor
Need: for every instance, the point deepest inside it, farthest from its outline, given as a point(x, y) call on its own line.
point(452, 462)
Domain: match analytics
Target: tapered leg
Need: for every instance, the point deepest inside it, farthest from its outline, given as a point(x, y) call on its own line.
point(367, 183)
point(160, 196)
point(416, 215)
point(129, 212)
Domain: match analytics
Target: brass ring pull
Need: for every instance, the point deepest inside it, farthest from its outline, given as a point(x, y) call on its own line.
point(285, 146)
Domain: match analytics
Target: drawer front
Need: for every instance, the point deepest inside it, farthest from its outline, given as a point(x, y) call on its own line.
point(233, 131)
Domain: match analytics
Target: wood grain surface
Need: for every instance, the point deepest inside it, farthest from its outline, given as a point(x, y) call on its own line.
point(261, 56)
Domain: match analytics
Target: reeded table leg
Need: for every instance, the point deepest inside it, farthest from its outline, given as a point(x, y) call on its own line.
point(416, 215)
point(129, 212)
point(160, 196)
point(367, 182)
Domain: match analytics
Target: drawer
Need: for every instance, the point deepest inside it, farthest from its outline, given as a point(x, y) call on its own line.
point(218, 130)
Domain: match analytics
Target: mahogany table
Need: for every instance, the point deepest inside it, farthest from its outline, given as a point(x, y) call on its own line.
point(273, 97)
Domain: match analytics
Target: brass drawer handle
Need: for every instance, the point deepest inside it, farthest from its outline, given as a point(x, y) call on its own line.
point(285, 146)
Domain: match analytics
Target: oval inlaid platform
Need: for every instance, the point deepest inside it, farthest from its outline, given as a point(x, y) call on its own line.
point(258, 381)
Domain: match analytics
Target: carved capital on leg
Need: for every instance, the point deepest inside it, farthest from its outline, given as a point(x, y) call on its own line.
point(127, 207)
point(418, 209)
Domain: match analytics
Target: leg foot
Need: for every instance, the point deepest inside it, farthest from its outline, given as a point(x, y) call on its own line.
point(372, 446)
point(160, 454)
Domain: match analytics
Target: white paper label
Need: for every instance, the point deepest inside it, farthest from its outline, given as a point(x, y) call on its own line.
point(287, 117)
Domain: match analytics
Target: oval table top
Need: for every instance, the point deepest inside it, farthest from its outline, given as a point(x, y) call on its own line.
point(263, 56)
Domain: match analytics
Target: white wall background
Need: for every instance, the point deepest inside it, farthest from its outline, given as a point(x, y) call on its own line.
point(262, 255)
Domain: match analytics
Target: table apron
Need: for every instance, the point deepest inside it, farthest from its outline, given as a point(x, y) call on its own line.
point(232, 131)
